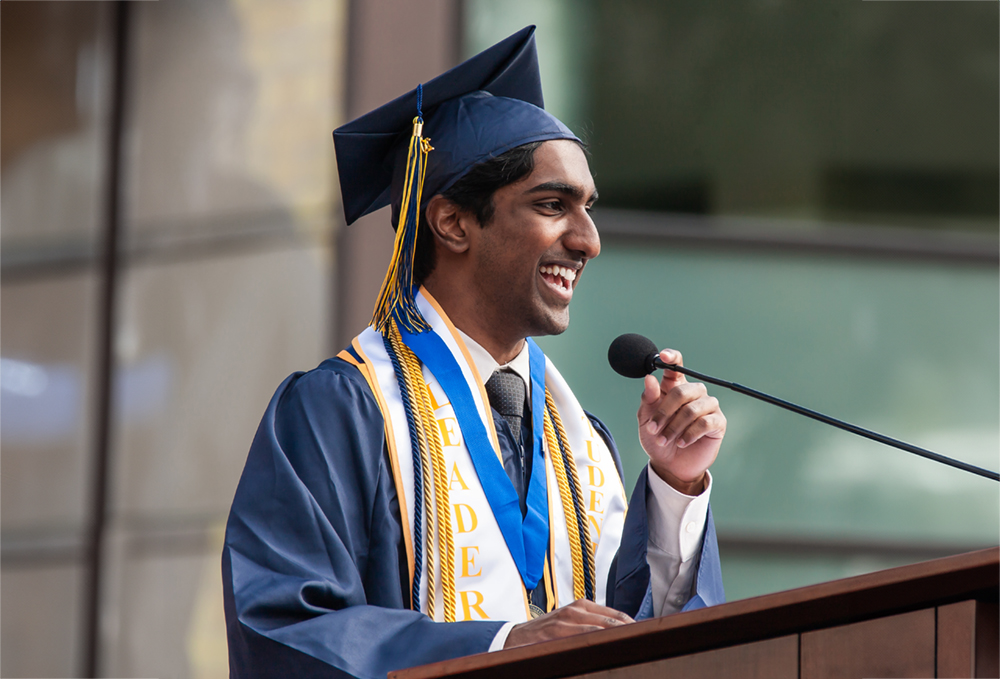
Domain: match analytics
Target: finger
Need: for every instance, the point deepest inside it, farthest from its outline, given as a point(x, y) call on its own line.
point(614, 616)
point(650, 390)
point(671, 378)
point(596, 620)
point(546, 628)
point(688, 413)
point(682, 394)
point(647, 406)
point(598, 609)
point(659, 415)
point(672, 356)
point(710, 426)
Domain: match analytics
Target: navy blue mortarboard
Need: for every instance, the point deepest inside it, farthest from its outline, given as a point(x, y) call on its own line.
point(480, 109)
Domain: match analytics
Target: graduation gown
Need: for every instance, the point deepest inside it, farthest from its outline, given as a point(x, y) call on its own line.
point(314, 566)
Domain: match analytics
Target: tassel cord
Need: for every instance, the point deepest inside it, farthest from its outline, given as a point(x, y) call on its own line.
point(436, 475)
point(420, 470)
point(572, 526)
point(417, 481)
point(576, 491)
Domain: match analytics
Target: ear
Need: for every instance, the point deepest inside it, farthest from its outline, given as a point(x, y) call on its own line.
point(449, 223)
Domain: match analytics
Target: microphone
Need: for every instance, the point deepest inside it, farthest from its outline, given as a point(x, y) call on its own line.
point(633, 355)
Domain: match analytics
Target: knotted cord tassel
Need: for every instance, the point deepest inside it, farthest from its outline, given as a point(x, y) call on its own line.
point(396, 300)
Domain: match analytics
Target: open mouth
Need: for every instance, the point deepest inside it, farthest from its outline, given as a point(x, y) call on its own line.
point(558, 276)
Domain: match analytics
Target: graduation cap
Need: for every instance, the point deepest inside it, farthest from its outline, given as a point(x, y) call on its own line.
point(478, 110)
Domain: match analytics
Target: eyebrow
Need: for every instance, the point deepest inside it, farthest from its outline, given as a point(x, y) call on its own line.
point(560, 187)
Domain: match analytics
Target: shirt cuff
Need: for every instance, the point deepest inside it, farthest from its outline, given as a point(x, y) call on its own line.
point(676, 521)
point(501, 638)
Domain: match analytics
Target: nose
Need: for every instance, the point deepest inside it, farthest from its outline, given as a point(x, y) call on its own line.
point(583, 236)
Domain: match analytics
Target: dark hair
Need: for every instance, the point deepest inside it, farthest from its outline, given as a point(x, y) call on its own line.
point(474, 193)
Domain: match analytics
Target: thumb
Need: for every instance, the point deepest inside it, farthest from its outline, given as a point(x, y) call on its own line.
point(650, 390)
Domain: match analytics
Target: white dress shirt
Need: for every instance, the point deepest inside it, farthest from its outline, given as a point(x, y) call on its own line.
point(676, 521)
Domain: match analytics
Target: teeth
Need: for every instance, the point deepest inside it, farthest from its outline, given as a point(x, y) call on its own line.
point(568, 274)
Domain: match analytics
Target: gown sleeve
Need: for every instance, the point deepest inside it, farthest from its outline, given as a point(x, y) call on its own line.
point(629, 587)
point(314, 569)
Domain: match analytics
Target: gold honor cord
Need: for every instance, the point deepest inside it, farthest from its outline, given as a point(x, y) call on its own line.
point(434, 473)
point(395, 299)
point(588, 547)
point(400, 350)
point(568, 504)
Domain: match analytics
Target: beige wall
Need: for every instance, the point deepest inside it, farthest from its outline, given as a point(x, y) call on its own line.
point(225, 288)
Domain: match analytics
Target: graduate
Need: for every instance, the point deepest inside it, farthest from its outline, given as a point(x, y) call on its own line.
point(436, 490)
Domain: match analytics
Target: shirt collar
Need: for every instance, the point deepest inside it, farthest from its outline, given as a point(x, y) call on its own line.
point(487, 365)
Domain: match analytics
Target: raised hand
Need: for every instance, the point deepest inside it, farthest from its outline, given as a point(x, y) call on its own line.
point(680, 427)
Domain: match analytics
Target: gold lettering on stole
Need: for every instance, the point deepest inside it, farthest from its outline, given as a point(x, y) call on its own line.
point(473, 521)
point(449, 431)
point(468, 607)
point(469, 560)
point(434, 403)
point(456, 477)
point(596, 478)
point(590, 452)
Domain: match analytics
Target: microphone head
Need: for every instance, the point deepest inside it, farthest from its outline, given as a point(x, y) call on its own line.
point(632, 355)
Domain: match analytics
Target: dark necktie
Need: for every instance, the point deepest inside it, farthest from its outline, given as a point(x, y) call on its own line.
point(506, 392)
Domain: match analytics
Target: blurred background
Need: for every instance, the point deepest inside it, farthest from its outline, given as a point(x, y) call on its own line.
point(800, 196)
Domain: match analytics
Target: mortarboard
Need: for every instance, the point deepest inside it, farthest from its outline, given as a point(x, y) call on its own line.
point(483, 107)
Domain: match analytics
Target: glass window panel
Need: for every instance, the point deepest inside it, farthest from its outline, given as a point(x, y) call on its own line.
point(202, 345)
point(170, 621)
point(46, 388)
point(41, 614)
point(231, 104)
point(903, 347)
point(871, 113)
point(55, 71)
point(876, 112)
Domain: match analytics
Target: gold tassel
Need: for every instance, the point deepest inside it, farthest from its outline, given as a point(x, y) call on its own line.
point(396, 296)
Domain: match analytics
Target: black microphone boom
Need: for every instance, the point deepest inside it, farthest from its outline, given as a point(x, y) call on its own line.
point(633, 355)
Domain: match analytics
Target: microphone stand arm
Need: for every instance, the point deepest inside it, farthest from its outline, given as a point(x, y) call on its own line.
point(846, 426)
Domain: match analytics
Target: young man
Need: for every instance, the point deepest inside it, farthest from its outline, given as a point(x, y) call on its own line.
point(437, 490)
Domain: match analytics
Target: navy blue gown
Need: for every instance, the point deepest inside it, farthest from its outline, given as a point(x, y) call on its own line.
point(314, 565)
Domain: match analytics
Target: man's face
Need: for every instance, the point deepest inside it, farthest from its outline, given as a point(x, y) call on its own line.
point(530, 256)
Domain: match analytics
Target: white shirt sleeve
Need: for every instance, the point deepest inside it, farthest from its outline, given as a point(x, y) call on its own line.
point(501, 638)
point(676, 531)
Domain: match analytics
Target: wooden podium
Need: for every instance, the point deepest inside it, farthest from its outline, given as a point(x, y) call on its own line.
point(932, 619)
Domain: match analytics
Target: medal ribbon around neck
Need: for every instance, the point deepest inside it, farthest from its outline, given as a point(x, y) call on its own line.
point(527, 539)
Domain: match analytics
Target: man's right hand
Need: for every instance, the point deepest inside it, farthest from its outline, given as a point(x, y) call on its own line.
point(578, 617)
